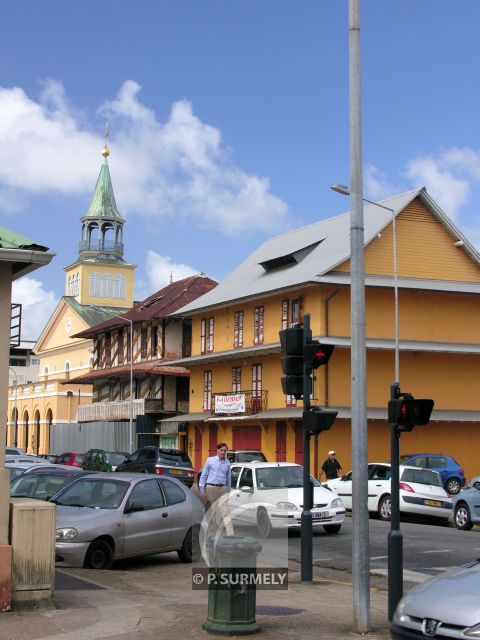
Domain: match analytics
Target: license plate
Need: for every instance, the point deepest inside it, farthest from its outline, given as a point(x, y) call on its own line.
point(319, 515)
point(176, 472)
point(433, 503)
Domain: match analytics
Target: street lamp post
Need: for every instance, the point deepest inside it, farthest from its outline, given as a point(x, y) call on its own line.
point(132, 439)
point(395, 538)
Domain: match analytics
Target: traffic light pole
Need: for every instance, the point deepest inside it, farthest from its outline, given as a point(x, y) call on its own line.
point(395, 538)
point(306, 519)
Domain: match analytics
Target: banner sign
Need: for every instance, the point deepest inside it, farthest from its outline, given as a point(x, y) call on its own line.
point(230, 404)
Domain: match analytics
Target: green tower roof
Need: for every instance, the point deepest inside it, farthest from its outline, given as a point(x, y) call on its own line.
point(103, 203)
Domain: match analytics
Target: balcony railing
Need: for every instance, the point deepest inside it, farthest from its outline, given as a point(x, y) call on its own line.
point(252, 401)
point(107, 411)
point(98, 245)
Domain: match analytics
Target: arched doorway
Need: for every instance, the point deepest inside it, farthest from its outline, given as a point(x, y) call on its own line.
point(48, 431)
point(14, 428)
point(35, 437)
point(22, 439)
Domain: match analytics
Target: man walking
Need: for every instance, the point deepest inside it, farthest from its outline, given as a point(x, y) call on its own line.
point(331, 467)
point(215, 484)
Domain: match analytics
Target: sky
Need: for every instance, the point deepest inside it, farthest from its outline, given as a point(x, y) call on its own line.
point(228, 122)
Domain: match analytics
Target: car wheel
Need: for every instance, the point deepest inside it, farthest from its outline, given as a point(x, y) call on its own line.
point(190, 551)
point(462, 517)
point(385, 508)
point(453, 486)
point(99, 555)
point(264, 526)
point(332, 528)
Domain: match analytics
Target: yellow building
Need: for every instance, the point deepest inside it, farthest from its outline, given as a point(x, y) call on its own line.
point(235, 338)
point(99, 285)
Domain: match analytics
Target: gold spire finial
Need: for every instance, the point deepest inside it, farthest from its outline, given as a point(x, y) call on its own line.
point(106, 150)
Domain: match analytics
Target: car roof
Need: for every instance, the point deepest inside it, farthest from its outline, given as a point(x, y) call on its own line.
point(256, 465)
point(56, 469)
point(75, 453)
point(411, 455)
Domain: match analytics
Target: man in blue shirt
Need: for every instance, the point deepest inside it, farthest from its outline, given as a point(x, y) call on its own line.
point(215, 484)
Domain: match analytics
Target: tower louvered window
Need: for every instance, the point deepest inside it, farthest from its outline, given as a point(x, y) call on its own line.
point(207, 390)
point(203, 335)
point(258, 325)
point(236, 379)
point(238, 329)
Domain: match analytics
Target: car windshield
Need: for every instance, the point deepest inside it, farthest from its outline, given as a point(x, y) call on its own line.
point(15, 472)
point(114, 458)
point(422, 476)
point(42, 486)
point(95, 493)
point(175, 457)
point(250, 456)
point(79, 458)
point(280, 477)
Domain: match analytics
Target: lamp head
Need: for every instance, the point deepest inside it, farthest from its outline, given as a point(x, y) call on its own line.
point(340, 188)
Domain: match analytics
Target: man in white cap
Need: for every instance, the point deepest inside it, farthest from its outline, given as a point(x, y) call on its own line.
point(331, 467)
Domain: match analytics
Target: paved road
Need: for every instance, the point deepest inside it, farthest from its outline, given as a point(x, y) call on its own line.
point(427, 549)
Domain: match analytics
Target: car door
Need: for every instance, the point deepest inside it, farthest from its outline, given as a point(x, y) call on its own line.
point(180, 514)
point(147, 528)
point(438, 463)
point(378, 484)
point(343, 487)
point(234, 497)
point(245, 496)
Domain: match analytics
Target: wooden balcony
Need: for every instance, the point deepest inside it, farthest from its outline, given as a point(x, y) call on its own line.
point(252, 401)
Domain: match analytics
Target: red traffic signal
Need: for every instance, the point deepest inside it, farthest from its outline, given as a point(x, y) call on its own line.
point(409, 412)
point(316, 354)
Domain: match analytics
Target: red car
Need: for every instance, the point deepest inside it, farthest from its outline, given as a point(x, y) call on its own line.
point(72, 458)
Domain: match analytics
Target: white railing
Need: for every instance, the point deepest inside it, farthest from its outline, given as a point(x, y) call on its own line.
point(105, 411)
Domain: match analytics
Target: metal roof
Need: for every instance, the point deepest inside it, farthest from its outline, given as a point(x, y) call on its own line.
point(23, 254)
point(103, 203)
point(307, 254)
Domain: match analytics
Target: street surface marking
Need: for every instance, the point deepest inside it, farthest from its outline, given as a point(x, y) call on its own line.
point(438, 551)
point(411, 576)
point(378, 557)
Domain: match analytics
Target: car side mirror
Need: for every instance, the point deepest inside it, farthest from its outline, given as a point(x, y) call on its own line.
point(246, 489)
point(477, 485)
point(134, 507)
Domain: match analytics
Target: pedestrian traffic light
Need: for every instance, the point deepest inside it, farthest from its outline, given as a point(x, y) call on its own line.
point(316, 420)
point(291, 342)
point(316, 354)
point(409, 412)
point(297, 352)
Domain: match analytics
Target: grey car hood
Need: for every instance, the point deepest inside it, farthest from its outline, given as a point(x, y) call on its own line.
point(452, 597)
point(86, 521)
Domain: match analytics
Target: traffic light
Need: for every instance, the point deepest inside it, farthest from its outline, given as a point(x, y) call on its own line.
point(297, 352)
point(291, 342)
point(316, 354)
point(409, 412)
point(316, 420)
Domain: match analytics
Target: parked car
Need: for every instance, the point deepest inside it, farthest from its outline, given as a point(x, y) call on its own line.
point(18, 468)
point(166, 462)
point(72, 458)
point(453, 476)
point(42, 483)
point(14, 451)
point(269, 495)
point(101, 460)
point(26, 458)
point(48, 457)
point(421, 491)
point(466, 507)
point(446, 606)
point(244, 455)
point(104, 518)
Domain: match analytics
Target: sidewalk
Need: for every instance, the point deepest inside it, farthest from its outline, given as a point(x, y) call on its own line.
point(157, 603)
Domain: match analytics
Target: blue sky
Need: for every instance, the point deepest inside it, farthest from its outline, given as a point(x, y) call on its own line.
point(228, 122)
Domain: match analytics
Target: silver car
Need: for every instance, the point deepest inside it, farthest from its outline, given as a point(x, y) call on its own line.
point(447, 606)
point(104, 517)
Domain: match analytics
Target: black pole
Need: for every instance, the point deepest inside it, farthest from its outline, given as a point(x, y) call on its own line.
point(395, 538)
point(306, 520)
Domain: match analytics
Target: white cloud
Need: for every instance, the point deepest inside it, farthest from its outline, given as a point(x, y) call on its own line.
point(377, 185)
point(160, 268)
point(174, 170)
point(37, 305)
point(450, 191)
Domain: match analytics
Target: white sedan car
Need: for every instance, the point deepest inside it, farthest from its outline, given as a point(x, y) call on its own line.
point(421, 491)
point(269, 495)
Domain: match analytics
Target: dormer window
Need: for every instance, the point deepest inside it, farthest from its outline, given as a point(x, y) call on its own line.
point(289, 259)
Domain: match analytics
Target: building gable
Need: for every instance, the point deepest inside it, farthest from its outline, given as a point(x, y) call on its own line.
point(63, 323)
point(425, 249)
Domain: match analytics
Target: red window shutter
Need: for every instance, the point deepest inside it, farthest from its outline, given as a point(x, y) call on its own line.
point(236, 379)
point(210, 335)
point(285, 314)
point(207, 390)
point(203, 336)
point(236, 322)
point(240, 329)
point(258, 325)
